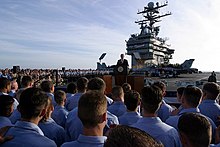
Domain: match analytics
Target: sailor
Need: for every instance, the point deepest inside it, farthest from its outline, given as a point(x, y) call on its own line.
point(60, 113)
point(118, 107)
point(33, 102)
point(74, 126)
point(81, 85)
point(165, 110)
point(209, 105)
point(191, 99)
point(50, 128)
point(212, 77)
point(92, 111)
point(151, 101)
point(132, 102)
point(192, 124)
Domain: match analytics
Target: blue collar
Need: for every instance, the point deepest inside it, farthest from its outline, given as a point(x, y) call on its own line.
point(91, 139)
point(208, 101)
point(194, 110)
point(28, 126)
point(149, 120)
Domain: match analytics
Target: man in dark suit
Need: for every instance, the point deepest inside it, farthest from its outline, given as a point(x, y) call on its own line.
point(122, 61)
point(122, 66)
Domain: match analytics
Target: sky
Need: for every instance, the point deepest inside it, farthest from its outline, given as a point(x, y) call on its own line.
point(74, 33)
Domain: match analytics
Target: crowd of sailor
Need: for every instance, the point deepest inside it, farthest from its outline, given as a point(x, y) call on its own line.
point(37, 73)
point(54, 75)
point(83, 72)
point(82, 115)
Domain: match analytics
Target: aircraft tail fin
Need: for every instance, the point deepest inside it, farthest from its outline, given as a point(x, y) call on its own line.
point(187, 63)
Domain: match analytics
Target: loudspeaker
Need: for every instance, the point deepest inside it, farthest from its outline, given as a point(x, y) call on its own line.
point(16, 69)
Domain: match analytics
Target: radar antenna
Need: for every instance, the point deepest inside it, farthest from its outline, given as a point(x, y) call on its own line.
point(152, 16)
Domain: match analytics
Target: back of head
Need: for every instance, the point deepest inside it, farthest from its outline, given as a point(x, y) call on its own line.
point(6, 105)
point(82, 84)
point(60, 97)
point(14, 85)
point(91, 107)
point(47, 86)
point(151, 98)
point(26, 81)
point(130, 137)
point(180, 93)
point(211, 90)
point(97, 84)
point(180, 90)
point(32, 102)
point(117, 93)
point(49, 110)
point(126, 87)
point(71, 88)
point(192, 96)
point(132, 100)
point(196, 129)
point(161, 85)
point(4, 83)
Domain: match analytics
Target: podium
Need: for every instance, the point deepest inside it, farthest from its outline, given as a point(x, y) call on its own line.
point(121, 77)
point(136, 82)
point(108, 81)
point(120, 73)
point(121, 70)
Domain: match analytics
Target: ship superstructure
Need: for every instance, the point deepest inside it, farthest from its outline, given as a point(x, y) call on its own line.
point(146, 48)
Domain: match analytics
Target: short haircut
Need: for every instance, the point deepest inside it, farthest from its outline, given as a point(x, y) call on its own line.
point(14, 84)
point(49, 108)
point(32, 102)
point(4, 82)
point(92, 105)
point(71, 88)
point(132, 100)
point(117, 91)
point(6, 102)
point(197, 128)
point(180, 90)
point(192, 95)
point(59, 96)
point(151, 97)
point(26, 80)
point(212, 89)
point(160, 84)
point(46, 85)
point(127, 136)
point(96, 84)
point(126, 87)
point(82, 83)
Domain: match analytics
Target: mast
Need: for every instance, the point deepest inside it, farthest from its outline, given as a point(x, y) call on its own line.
point(146, 48)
